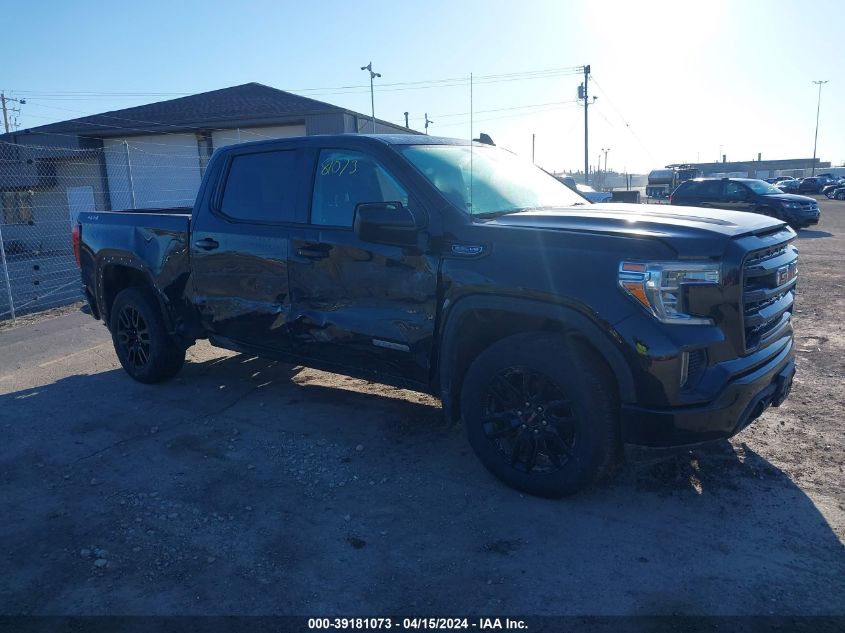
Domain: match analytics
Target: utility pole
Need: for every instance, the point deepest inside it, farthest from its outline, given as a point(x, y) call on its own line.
point(406, 120)
point(427, 122)
point(582, 92)
point(818, 108)
point(373, 75)
point(4, 99)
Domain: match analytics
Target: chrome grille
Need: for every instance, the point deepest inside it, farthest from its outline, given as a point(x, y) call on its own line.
point(769, 278)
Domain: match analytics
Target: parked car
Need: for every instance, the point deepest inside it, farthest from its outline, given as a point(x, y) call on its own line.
point(748, 194)
point(826, 188)
point(592, 195)
point(556, 330)
point(815, 184)
point(776, 180)
point(788, 186)
point(837, 193)
point(585, 190)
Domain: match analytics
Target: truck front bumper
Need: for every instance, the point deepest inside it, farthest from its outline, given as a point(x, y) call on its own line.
point(742, 401)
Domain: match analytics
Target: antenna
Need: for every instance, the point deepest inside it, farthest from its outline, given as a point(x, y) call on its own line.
point(470, 144)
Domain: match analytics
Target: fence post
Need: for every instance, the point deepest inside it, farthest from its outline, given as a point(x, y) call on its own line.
point(129, 170)
point(6, 275)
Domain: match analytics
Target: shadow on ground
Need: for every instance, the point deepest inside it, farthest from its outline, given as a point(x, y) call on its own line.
point(248, 487)
point(811, 234)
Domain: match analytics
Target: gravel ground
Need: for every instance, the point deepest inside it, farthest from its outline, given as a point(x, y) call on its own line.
point(250, 487)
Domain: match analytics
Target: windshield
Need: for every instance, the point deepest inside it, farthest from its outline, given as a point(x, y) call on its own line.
point(761, 187)
point(501, 182)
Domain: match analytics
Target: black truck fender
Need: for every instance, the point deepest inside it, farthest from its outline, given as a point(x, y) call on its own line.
point(110, 259)
point(574, 322)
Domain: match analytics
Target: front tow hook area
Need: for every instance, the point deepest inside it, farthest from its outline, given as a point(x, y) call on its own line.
point(784, 384)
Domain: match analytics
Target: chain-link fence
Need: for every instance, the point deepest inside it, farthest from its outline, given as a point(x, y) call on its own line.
point(43, 189)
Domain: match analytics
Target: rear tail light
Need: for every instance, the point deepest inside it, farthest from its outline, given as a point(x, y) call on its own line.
point(76, 237)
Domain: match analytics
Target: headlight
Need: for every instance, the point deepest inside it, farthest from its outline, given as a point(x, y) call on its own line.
point(661, 288)
point(792, 205)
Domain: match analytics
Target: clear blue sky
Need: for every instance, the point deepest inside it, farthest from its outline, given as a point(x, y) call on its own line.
point(675, 80)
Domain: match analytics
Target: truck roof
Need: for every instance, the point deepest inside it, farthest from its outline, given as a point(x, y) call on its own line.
point(364, 139)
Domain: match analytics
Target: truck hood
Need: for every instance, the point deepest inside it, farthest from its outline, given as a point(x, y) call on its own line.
point(690, 231)
point(789, 197)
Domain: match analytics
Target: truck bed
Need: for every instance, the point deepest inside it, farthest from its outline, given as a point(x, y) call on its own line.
point(152, 240)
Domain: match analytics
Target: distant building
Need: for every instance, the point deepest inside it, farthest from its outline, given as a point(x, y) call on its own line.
point(792, 167)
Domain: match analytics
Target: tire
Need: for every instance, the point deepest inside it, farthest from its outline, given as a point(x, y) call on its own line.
point(840, 195)
point(143, 346)
point(568, 436)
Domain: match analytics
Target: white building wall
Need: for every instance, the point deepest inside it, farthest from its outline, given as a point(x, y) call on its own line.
point(165, 170)
point(222, 138)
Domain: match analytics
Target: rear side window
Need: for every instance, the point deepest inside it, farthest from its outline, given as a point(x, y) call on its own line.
point(707, 189)
point(261, 187)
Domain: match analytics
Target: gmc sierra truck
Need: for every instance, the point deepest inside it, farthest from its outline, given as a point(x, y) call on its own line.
point(558, 331)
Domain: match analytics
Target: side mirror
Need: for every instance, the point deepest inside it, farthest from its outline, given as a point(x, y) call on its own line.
point(385, 223)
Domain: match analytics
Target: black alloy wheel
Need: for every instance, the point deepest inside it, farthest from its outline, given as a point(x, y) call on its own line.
point(143, 345)
point(133, 336)
point(541, 413)
point(530, 420)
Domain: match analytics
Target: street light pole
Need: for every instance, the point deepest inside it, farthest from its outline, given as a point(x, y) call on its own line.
point(818, 108)
point(604, 174)
point(373, 75)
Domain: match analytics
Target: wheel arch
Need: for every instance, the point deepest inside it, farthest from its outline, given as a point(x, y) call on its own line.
point(116, 272)
point(475, 322)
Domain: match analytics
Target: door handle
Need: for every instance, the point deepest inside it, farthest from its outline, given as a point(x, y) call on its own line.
point(313, 252)
point(207, 244)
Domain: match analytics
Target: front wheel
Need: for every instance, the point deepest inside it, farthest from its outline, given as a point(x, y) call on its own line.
point(143, 346)
point(840, 195)
point(541, 414)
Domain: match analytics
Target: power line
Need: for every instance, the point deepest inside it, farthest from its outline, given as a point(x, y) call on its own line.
point(619, 114)
point(426, 83)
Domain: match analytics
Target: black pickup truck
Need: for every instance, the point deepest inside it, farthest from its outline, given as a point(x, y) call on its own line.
point(558, 331)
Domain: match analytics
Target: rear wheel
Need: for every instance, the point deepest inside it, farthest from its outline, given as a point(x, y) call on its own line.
point(143, 346)
point(541, 414)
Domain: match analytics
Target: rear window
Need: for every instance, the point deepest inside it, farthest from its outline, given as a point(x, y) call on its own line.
point(261, 187)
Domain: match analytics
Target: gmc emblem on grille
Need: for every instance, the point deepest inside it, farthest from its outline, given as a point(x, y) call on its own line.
point(787, 273)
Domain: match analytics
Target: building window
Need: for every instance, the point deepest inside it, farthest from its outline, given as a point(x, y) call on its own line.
point(17, 207)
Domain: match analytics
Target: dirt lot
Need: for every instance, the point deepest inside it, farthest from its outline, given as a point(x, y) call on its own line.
point(249, 487)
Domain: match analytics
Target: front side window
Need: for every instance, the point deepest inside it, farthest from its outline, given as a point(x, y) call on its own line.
point(261, 187)
point(735, 191)
point(488, 180)
point(763, 188)
point(345, 179)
